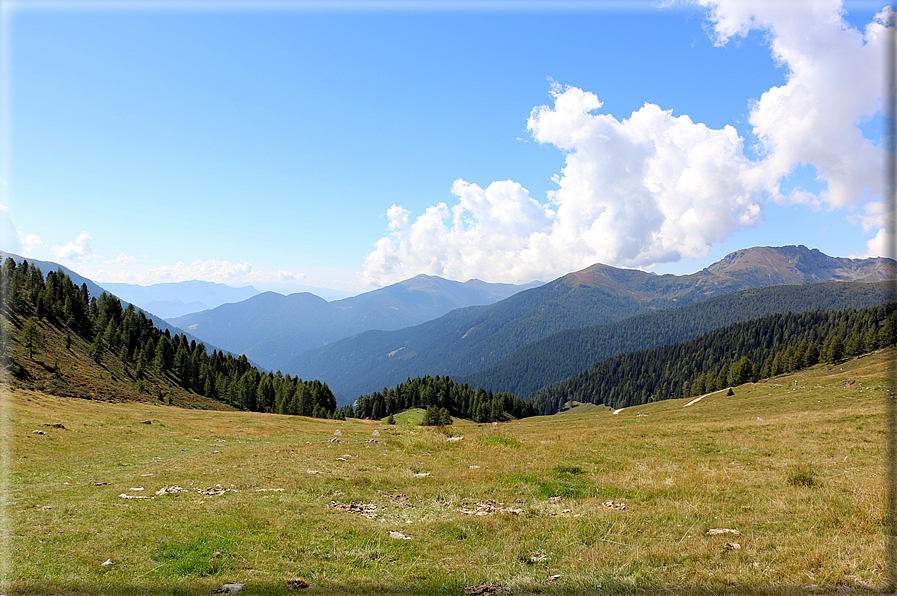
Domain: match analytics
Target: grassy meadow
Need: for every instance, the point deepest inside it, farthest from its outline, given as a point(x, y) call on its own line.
point(587, 501)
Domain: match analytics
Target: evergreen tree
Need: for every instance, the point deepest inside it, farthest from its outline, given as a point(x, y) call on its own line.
point(32, 337)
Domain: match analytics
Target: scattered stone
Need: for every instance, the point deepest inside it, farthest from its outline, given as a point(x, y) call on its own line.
point(38, 432)
point(372, 441)
point(613, 505)
point(216, 554)
point(641, 415)
point(334, 440)
point(398, 536)
point(537, 557)
point(126, 496)
point(376, 433)
point(732, 546)
point(487, 589)
point(546, 442)
point(366, 509)
point(216, 451)
point(263, 490)
point(46, 507)
point(106, 563)
point(136, 488)
point(228, 589)
point(218, 441)
point(313, 472)
point(490, 507)
point(57, 425)
point(474, 467)
point(338, 433)
point(718, 531)
point(146, 422)
point(454, 439)
point(341, 459)
point(212, 490)
point(66, 484)
point(99, 483)
point(551, 578)
point(297, 584)
point(421, 474)
point(555, 499)
point(171, 490)
point(145, 475)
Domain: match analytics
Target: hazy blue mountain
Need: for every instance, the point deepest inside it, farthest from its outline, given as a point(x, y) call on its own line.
point(468, 340)
point(175, 299)
point(271, 329)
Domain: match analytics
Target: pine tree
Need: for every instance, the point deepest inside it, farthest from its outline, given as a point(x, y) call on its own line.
point(32, 337)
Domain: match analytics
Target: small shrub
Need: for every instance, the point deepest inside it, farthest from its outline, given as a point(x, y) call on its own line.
point(803, 475)
point(568, 471)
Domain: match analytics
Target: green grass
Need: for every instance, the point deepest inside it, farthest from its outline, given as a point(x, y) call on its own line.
point(794, 464)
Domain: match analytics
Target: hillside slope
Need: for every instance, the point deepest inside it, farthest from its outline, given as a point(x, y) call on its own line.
point(728, 357)
point(468, 340)
point(564, 354)
point(94, 289)
point(56, 338)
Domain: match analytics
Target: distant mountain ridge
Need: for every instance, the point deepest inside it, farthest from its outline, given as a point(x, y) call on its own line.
point(468, 340)
point(271, 329)
point(175, 299)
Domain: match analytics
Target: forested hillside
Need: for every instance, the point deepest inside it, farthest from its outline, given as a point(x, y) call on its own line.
point(727, 357)
point(565, 354)
point(60, 339)
point(444, 394)
point(468, 340)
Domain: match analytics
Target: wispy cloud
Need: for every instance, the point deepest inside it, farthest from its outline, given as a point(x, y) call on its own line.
point(124, 269)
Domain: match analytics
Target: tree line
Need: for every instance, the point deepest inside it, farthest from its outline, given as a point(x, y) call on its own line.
point(127, 334)
point(740, 353)
point(441, 393)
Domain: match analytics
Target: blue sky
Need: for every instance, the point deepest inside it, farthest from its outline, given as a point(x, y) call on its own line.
point(355, 146)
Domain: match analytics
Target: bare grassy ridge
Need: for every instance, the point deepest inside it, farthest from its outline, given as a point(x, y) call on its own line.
point(299, 506)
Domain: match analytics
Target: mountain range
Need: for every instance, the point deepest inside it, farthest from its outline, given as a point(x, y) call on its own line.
point(466, 341)
point(271, 329)
point(175, 299)
point(502, 337)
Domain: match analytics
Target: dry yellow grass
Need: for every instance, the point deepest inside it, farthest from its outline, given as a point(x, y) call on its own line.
point(549, 491)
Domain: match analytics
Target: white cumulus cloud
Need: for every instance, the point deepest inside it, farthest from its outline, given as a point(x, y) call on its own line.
point(122, 259)
point(28, 242)
point(654, 187)
point(14, 240)
point(833, 84)
point(77, 250)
